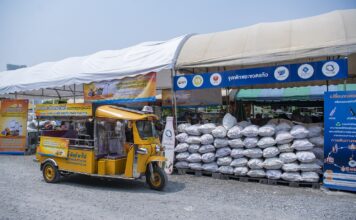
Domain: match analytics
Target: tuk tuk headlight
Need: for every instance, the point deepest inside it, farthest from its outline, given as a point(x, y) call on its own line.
point(158, 148)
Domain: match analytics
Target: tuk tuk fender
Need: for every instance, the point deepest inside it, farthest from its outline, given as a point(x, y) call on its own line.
point(156, 159)
point(49, 160)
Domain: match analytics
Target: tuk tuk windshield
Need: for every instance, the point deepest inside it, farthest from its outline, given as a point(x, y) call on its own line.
point(146, 129)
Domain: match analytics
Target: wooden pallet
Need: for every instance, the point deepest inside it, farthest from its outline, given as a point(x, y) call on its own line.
point(248, 179)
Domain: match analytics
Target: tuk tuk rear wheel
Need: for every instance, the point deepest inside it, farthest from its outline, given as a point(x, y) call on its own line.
point(50, 173)
point(158, 180)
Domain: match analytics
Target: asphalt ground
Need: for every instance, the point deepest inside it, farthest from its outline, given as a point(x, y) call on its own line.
point(25, 195)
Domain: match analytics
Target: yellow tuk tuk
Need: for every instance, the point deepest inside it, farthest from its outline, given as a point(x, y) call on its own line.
point(117, 143)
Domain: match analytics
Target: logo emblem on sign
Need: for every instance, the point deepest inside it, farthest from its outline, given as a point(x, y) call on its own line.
point(182, 82)
point(215, 79)
point(281, 73)
point(168, 133)
point(330, 68)
point(305, 71)
point(198, 81)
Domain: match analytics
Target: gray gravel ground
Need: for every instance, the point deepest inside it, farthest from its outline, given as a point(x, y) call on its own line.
point(25, 195)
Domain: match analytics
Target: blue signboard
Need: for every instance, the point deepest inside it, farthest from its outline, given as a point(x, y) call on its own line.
point(321, 70)
point(340, 140)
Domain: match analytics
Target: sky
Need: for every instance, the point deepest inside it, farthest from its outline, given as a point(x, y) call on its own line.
point(36, 31)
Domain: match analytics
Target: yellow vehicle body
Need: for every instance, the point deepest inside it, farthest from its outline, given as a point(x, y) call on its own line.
point(139, 155)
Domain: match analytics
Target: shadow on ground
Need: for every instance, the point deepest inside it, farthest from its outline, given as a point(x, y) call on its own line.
point(118, 184)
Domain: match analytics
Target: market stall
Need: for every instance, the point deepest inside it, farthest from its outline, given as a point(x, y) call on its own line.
point(319, 50)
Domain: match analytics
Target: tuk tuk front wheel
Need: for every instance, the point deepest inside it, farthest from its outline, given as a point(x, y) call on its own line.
point(157, 179)
point(50, 173)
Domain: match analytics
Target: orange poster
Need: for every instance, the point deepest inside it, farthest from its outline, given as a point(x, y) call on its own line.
point(13, 126)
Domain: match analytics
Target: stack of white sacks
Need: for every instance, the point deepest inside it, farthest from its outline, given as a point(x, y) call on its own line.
point(276, 151)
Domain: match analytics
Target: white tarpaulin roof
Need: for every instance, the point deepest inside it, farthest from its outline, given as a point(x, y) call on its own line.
point(104, 65)
point(328, 34)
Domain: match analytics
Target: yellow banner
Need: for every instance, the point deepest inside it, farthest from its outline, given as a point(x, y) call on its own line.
point(13, 125)
point(62, 110)
point(140, 88)
point(54, 146)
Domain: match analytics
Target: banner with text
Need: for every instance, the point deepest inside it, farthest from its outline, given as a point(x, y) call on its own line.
point(13, 126)
point(340, 140)
point(193, 97)
point(321, 70)
point(54, 146)
point(63, 110)
point(140, 88)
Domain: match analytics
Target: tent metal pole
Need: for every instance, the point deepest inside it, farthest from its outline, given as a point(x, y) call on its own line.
point(174, 100)
point(345, 85)
point(74, 94)
point(327, 85)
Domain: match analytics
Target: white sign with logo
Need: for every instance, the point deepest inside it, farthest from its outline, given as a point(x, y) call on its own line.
point(330, 69)
point(215, 79)
point(168, 142)
point(281, 73)
point(305, 71)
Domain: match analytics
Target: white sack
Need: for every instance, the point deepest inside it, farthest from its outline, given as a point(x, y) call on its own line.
point(240, 171)
point(266, 131)
point(266, 142)
point(193, 140)
point(306, 156)
point(207, 128)
point(255, 164)
point(317, 141)
point(182, 137)
point(302, 144)
point(210, 167)
point(272, 163)
point(253, 153)
point(250, 131)
point(288, 157)
point(236, 143)
point(219, 132)
point(310, 177)
point(243, 124)
point(237, 153)
point(299, 131)
point(318, 152)
point(270, 152)
point(291, 176)
point(221, 142)
point(224, 161)
point(285, 148)
point(309, 167)
point(206, 139)
point(273, 174)
point(235, 132)
point(182, 156)
point(193, 148)
point(181, 147)
point(192, 130)
point(256, 173)
point(240, 162)
point(181, 127)
point(226, 170)
point(223, 152)
point(208, 157)
point(290, 167)
point(206, 149)
point(229, 121)
point(194, 158)
point(182, 165)
point(283, 126)
point(283, 137)
point(314, 131)
point(195, 166)
point(250, 142)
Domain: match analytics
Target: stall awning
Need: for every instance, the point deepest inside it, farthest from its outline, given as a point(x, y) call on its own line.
point(306, 93)
point(104, 65)
point(329, 34)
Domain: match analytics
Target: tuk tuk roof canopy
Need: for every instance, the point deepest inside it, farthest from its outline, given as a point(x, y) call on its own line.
point(330, 34)
point(105, 65)
point(113, 112)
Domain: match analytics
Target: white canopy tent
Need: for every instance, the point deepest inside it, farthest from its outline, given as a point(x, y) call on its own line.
point(330, 34)
point(65, 78)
